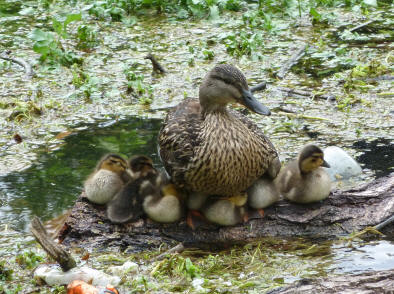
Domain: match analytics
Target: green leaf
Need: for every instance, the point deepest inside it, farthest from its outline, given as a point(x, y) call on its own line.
point(57, 27)
point(315, 15)
point(213, 12)
point(72, 17)
point(39, 35)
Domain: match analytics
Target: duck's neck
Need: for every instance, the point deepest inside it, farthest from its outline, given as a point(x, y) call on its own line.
point(213, 109)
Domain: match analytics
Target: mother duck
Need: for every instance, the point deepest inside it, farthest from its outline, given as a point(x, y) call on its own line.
point(211, 150)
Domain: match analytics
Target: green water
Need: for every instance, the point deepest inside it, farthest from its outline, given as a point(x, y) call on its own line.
point(52, 184)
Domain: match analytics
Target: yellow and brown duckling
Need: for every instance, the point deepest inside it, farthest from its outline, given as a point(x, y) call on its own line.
point(209, 149)
point(127, 203)
point(226, 211)
point(148, 192)
point(304, 180)
point(107, 179)
point(162, 202)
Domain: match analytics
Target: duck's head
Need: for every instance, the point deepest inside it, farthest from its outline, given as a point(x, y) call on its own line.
point(310, 158)
point(225, 84)
point(114, 163)
point(141, 166)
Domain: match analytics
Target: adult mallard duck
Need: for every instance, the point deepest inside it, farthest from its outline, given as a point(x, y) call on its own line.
point(304, 180)
point(209, 149)
point(107, 179)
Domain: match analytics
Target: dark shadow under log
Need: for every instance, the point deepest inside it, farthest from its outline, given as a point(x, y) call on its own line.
point(343, 212)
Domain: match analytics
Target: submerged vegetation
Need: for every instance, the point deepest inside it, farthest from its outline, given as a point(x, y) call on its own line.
point(88, 57)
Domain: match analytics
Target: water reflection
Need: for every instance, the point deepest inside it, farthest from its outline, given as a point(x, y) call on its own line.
point(376, 255)
point(377, 155)
point(49, 187)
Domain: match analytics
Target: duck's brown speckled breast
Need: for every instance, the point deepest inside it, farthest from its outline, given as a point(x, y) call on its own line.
point(230, 158)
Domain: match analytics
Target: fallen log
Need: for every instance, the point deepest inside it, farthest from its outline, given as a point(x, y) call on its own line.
point(342, 213)
point(368, 283)
point(61, 256)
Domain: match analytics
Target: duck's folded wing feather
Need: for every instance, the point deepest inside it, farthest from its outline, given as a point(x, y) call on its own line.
point(179, 137)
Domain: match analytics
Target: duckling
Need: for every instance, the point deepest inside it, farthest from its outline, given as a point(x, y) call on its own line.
point(262, 194)
point(208, 149)
point(226, 211)
point(162, 202)
point(304, 180)
point(127, 203)
point(107, 179)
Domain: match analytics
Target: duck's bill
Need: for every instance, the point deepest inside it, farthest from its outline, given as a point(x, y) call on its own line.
point(325, 164)
point(251, 102)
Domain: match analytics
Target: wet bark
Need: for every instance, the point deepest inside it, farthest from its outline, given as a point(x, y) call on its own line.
point(61, 256)
point(342, 213)
point(366, 283)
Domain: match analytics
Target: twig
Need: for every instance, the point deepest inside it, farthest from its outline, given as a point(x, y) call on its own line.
point(306, 93)
point(356, 28)
point(176, 249)
point(380, 78)
point(258, 87)
point(294, 115)
point(292, 61)
point(384, 223)
point(156, 65)
point(62, 257)
point(28, 69)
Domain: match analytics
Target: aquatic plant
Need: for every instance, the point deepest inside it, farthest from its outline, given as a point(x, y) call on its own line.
point(49, 45)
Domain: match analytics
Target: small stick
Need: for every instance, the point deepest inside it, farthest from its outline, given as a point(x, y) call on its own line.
point(156, 65)
point(384, 223)
point(258, 87)
point(306, 93)
point(176, 249)
point(356, 28)
point(62, 257)
point(292, 61)
point(302, 116)
point(28, 69)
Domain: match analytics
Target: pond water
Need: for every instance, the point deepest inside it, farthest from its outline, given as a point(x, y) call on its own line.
point(51, 185)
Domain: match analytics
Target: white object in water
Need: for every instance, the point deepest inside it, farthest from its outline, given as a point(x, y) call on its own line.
point(124, 269)
point(53, 275)
point(342, 165)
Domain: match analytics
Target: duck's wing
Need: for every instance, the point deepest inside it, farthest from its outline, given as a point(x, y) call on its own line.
point(275, 165)
point(179, 138)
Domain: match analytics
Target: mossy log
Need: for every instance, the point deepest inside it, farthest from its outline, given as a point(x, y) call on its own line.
point(342, 213)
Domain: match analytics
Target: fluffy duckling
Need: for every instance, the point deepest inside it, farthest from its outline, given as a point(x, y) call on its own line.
point(107, 179)
point(127, 203)
point(304, 180)
point(162, 202)
point(262, 194)
point(226, 211)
